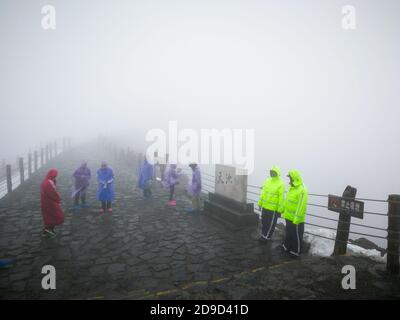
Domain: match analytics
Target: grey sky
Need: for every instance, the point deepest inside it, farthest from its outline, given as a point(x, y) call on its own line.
point(321, 99)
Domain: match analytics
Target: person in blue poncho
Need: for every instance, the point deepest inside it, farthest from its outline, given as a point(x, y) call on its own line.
point(146, 173)
point(105, 191)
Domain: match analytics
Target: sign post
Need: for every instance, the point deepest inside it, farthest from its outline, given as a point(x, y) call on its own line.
point(347, 207)
point(393, 235)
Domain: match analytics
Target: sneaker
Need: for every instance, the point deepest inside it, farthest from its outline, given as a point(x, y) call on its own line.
point(190, 210)
point(77, 207)
point(263, 238)
point(294, 254)
point(110, 210)
point(48, 233)
point(102, 210)
point(171, 203)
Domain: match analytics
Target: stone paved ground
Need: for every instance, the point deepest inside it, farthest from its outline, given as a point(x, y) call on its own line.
point(307, 278)
point(147, 250)
point(143, 246)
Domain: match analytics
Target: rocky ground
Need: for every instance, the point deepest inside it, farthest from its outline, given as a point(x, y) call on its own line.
point(148, 250)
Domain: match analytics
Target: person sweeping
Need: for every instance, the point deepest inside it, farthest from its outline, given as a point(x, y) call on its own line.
point(82, 177)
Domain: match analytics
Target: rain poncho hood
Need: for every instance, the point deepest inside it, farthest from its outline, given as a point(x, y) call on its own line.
point(277, 170)
point(296, 177)
point(51, 175)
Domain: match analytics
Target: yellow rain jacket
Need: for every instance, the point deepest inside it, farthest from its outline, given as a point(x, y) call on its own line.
point(272, 194)
point(296, 199)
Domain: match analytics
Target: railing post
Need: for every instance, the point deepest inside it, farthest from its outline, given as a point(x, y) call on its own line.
point(29, 165)
point(47, 153)
point(343, 228)
point(51, 150)
point(35, 160)
point(21, 170)
point(41, 157)
point(55, 148)
point(393, 234)
point(9, 178)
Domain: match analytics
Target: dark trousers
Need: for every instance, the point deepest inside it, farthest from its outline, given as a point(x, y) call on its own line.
point(294, 237)
point(268, 219)
point(105, 205)
point(80, 196)
point(171, 192)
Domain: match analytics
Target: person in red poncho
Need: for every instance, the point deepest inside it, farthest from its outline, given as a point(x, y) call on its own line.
point(50, 200)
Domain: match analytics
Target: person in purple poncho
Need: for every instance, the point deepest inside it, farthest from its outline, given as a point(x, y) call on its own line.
point(172, 176)
point(105, 191)
point(194, 188)
point(146, 173)
point(82, 176)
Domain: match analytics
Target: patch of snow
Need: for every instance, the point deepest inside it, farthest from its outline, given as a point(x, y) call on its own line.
point(324, 247)
point(371, 253)
point(320, 246)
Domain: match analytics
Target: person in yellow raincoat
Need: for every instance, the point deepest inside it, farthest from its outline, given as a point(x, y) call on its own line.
point(294, 212)
point(271, 203)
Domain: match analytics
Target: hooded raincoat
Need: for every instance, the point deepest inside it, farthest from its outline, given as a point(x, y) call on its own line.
point(50, 201)
point(273, 192)
point(171, 176)
point(105, 191)
point(82, 177)
point(296, 199)
point(194, 187)
point(146, 173)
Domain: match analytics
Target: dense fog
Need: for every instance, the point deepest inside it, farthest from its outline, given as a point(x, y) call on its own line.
point(319, 97)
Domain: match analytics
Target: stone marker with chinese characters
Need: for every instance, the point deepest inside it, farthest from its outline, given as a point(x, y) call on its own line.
point(231, 182)
point(229, 202)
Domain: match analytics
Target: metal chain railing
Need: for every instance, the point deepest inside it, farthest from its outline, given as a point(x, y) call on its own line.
point(23, 167)
point(208, 181)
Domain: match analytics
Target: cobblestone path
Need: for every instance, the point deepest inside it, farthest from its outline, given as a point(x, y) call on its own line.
point(144, 247)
